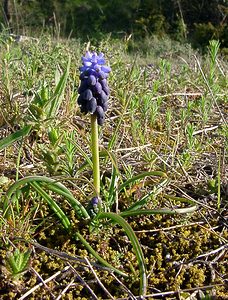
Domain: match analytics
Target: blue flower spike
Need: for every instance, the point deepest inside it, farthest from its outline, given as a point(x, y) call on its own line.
point(93, 90)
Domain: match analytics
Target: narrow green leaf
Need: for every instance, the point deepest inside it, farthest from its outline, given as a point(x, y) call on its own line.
point(12, 138)
point(180, 199)
point(161, 211)
point(144, 200)
point(53, 205)
point(97, 256)
point(88, 159)
point(140, 176)
point(52, 185)
point(135, 244)
point(112, 193)
point(76, 205)
point(26, 257)
point(12, 264)
point(58, 96)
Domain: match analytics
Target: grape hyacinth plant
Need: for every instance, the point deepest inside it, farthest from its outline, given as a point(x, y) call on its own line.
point(93, 98)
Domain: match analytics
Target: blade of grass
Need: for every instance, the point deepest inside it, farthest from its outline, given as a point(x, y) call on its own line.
point(180, 199)
point(53, 205)
point(135, 244)
point(115, 176)
point(144, 200)
point(140, 176)
point(97, 256)
point(12, 138)
point(161, 211)
point(57, 98)
point(77, 206)
point(60, 188)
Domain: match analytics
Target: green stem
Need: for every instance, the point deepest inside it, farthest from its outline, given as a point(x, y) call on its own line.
point(95, 154)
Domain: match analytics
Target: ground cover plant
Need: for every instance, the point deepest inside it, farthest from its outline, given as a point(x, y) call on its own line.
point(133, 209)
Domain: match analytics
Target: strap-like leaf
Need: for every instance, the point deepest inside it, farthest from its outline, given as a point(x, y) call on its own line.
point(12, 138)
point(144, 200)
point(57, 98)
point(52, 185)
point(135, 244)
point(53, 205)
point(140, 176)
point(97, 256)
point(162, 211)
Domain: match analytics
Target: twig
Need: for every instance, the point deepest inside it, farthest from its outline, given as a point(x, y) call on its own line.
point(195, 201)
point(133, 148)
point(163, 294)
point(124, 287)
point(168, 165)
point(184, 171)
point(64, 255)
point(205, 130)
point(42, 283)
point(98, 280)
point(64, 290)
point(213, 251)
point(83, 282)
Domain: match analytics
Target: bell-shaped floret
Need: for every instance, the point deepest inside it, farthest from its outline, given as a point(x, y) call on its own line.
point(83, 108)
point(97, 88)
point(100, 121)
point(83, 86)
point(105, 106)
point(103, 97)
point(92, 80)
point(87, 94)
point(92, 105)
point(99, 112)
point(104, 85)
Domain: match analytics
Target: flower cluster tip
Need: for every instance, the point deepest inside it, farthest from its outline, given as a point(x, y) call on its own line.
point(93, 90)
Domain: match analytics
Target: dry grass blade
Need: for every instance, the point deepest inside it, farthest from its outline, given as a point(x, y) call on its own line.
point(123, 286)
point(98, 280)
point(84, 283)
point(44, 282)
point(65, 290)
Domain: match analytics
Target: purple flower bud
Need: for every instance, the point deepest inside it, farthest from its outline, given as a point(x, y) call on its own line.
point(94, 201)
point(103, 97)
point(105, 106)
point(92, 80)
point(87, 94)
point(92, 105)
point(99, 112)
point(105, 87)
point(103, 75)
point(97, 68)
point(97, 88)
point(83, 86)
point(100, 121)
point(106, 69)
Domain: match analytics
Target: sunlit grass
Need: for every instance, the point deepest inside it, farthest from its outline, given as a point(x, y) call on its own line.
point(162, 149)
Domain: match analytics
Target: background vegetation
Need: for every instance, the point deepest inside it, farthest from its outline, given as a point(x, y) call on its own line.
point(197, 20)
point(161, 229)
